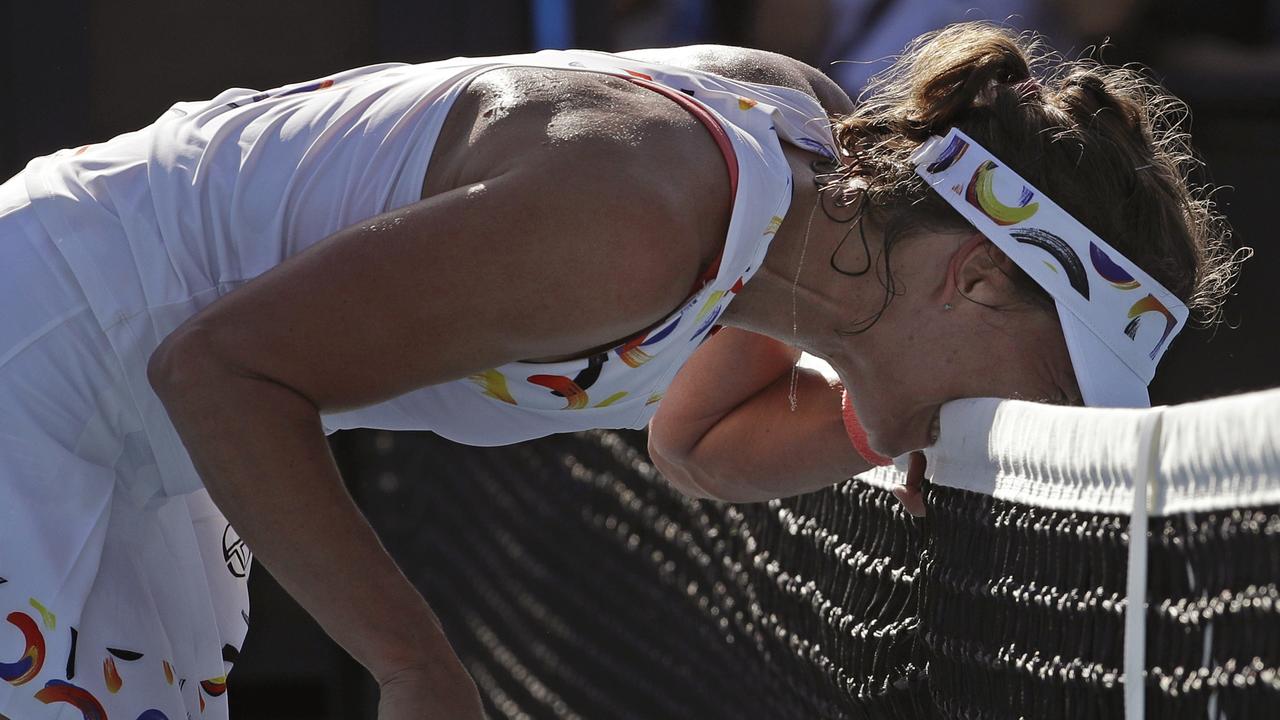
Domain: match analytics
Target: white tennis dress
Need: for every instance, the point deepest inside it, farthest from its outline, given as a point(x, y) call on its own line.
point(122, 586)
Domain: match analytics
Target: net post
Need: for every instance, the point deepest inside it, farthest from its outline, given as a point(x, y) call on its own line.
point(1145, 478)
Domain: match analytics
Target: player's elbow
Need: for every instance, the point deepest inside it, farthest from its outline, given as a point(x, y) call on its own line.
point(678, 473)
point(175, 362)
point(696, 479)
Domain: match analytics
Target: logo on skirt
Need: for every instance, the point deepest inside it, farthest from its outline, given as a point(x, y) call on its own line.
point(235, 552)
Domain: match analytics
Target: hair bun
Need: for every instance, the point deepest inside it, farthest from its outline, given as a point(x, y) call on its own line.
point(956, 69)
point(1087, 95)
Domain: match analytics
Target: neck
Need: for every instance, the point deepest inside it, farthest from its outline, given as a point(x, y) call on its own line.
point(796, 273)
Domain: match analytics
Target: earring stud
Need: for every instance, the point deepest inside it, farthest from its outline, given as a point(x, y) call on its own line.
point(946, 306)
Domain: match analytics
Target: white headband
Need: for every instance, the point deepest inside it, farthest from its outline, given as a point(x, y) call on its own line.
point(1116, 318)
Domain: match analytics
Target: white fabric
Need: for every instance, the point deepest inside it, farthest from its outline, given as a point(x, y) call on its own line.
point(1219, 454)
point(1066, 458)
point(1213, 454)
point(78, 552)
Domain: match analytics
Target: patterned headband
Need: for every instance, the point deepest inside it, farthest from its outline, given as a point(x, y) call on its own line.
point(1125, 308)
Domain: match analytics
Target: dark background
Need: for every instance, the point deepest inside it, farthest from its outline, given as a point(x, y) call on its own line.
point(77, 71)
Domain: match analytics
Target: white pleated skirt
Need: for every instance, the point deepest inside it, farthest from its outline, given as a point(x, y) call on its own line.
point(108, 607)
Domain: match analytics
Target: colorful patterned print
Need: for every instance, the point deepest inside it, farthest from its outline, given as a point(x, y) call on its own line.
point(774, 223)
point(981, 194)
point(954, 151)
point(126, 655)
point(1110, 271)
point(168, 672)
point(631, 354)
point(215, 686)
point(71, 655)
point(493, 384)
point(574, 394)
point(319, 85)
point(706, 324)
point(611, 399)
point(323, 84)
point(58, 691)
point(26, 667)
point(50, 620)
point(573, 390)
point(1146, 305)
point(712, 301)
point(111, 676)
point(1061, 251)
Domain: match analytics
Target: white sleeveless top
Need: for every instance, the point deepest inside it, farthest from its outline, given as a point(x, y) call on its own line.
point(158, 223)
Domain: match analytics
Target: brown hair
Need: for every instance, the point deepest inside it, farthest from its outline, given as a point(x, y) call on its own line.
point(1103, 142)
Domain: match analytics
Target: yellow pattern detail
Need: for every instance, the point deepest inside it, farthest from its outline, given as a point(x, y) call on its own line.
point(494, 385)
point(653, 398)
point(111, 676)
point(746, 103)
point(774, 224)
point(50, 620)
point(635, 357)
point(710, 303)
point(611, 399)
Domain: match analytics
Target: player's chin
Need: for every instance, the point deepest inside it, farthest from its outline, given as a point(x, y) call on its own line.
point(904, 433)
point(887, 440)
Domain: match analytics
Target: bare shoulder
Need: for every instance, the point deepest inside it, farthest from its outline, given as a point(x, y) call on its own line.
point(592, 125)
point(753, 65)
point(509, 111)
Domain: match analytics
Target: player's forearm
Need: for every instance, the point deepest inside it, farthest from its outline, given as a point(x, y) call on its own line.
point(260, 449)
point(761, 450)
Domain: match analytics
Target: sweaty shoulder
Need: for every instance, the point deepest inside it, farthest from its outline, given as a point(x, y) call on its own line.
point(592, 124)
point(753, 65)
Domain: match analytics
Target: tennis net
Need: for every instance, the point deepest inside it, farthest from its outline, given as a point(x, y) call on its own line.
point(575, 583)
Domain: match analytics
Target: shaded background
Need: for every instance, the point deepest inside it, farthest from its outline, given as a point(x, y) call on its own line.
point(78, 71)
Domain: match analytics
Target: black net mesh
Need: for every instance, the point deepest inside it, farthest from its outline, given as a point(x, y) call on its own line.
point(575, 583)
point(1023, 611)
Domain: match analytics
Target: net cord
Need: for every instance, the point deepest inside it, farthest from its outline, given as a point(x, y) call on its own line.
point(1135, 622)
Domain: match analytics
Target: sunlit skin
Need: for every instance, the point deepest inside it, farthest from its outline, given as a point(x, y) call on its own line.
point(992, 342)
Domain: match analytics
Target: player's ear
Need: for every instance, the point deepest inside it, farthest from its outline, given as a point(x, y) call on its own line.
point(983, 273)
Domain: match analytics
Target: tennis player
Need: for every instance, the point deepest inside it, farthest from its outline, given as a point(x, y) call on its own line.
point(501, 248)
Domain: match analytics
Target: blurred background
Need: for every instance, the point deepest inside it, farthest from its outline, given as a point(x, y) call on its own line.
point(79, 71)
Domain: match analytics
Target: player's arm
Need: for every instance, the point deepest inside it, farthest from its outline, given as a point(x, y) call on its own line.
point(564, 248)
point(725, 428)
